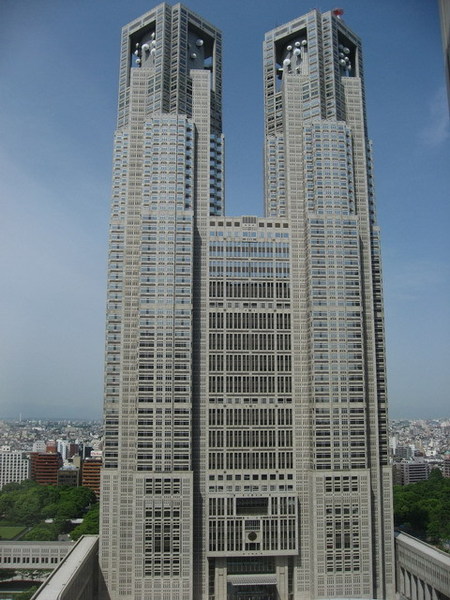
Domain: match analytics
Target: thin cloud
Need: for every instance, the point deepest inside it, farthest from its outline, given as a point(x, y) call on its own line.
point(437, 126)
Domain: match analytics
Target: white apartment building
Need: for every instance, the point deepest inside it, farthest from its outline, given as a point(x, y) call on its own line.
point(14, 467)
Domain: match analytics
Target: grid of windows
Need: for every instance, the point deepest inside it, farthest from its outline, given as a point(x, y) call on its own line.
point(14, 467)
point(246, 525)
point(329, 168)
point(245, 389)
point(250, 437)
point(343, 520)
point(167, 528)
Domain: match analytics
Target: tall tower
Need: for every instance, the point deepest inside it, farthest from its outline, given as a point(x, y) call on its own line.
point(245, 411)
point(318, 175)
point(167, 178)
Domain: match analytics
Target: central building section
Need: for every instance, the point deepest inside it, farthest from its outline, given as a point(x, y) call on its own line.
point(252, 505)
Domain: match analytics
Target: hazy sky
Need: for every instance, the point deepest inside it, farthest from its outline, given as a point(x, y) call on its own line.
point(58, 85)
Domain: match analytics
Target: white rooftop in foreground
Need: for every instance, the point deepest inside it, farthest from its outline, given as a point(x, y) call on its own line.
point(414, 543)
point(67, 570)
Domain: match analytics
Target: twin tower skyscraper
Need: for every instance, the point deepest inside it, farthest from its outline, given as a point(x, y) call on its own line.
point(246, 449)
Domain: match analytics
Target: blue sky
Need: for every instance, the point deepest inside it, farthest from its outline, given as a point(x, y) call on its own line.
point(59, 68)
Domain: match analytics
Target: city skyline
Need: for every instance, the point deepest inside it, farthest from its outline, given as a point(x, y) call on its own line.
point(55, 233)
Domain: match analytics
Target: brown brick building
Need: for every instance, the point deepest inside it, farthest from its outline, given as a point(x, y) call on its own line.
point(44, 467)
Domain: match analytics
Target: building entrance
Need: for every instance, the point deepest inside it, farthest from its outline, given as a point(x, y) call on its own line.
point(252, 592)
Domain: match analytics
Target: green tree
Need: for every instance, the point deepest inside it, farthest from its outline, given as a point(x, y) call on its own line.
point(13, 486)
point(30, 503)
point(80, 497)
point(90, 524)
point(49, 511)
point(423, 508)
point(45, 532)
point(23, 503)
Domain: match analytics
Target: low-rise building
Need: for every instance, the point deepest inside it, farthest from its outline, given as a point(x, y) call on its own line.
point(411, 471)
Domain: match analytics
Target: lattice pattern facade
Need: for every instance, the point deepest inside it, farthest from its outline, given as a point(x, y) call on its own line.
point(245, 410)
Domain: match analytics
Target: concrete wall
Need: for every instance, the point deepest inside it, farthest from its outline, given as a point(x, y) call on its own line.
point(423, 572)
point(76, 578)
point(33, 555)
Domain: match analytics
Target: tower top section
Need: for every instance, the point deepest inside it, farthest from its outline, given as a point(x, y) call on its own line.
point(321, 51)
point(167, 43)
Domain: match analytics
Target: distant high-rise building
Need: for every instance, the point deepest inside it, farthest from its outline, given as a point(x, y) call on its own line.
point(446, 466)
point(73, 449)
point(14, 467)
point(62, 448)
point(39, 446)
point(404, 452)
point(91, 469)
point(67, 449)
point(44, 467)
point(68, 475)
point(246, 451)
point(86, 451)
point(51, 447)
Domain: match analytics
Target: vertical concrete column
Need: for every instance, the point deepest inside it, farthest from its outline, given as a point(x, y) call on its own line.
point(201, 110)
point(420, 589)
point(401, 580)
point(414, 595)
point(407, 584)
point(220, 580)
point(282, 570)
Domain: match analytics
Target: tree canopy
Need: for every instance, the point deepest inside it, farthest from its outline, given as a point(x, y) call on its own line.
point(29, 503)
point(423, 508)
point(90, 524)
